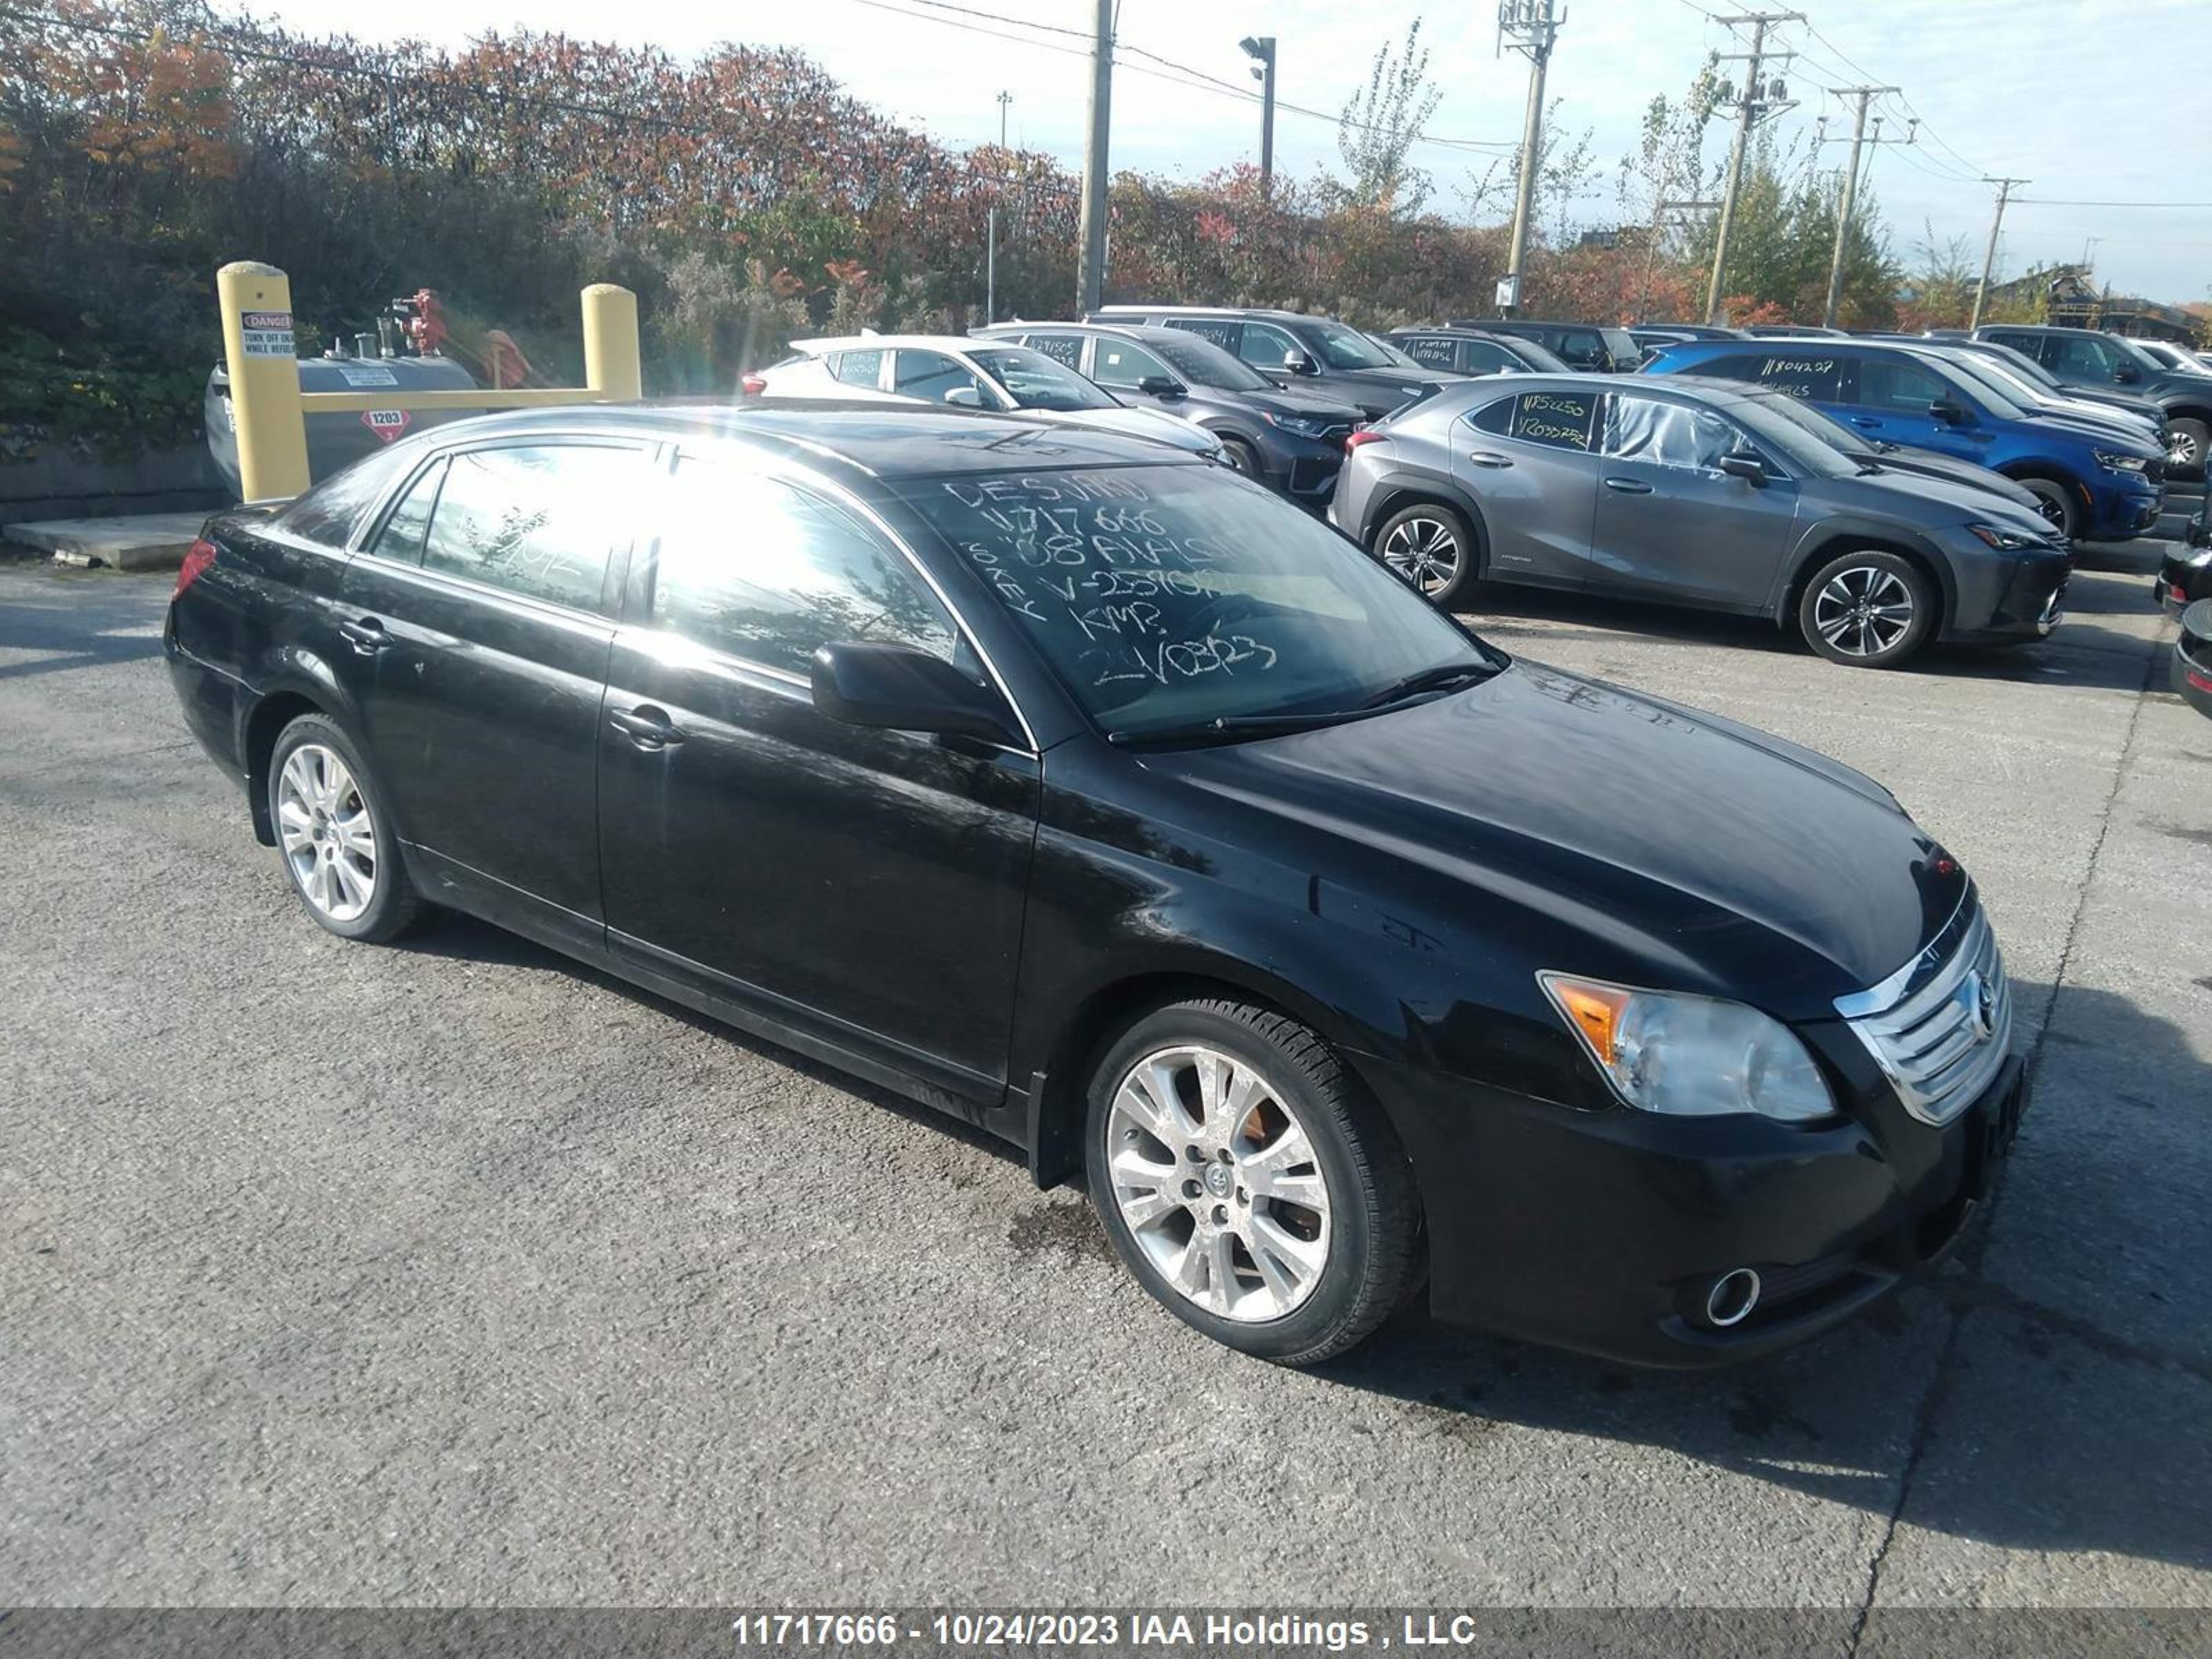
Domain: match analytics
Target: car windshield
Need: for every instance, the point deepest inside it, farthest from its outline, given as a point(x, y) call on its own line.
point(1803, 450)
point(1204, 364)
point(1809, 421)
point(1168, 598)
point(1343, 347)
point(2003, 398)
point(1033, 380)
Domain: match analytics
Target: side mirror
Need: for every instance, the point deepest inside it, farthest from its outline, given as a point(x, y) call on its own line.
point(1299, 363)
point(2127, 375)
point(1159, 385)
point(1745, 465)
point(1949, 413)
point(965, 397)
point(896, 688)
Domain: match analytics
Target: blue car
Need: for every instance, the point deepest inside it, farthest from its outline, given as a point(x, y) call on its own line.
point(2092, 483)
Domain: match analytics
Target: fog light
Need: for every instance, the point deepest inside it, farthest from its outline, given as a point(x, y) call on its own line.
point(1731, 1299)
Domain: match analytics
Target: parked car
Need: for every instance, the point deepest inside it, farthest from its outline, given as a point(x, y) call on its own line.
point(2092, 487)
point(2185, 575)
point(1289, 439)
point(1291, 347)
point(2192, 657)
point(2087, 357)
point(2048, 385)
point(1475, 351)
point(2052, 404)
point(958, 372)
point(1694, 493)
point(1793, 331)
point(1864, 451)
point(2169, 356)
point(1653, 338)
point(1097, 797)
point(1577, 345)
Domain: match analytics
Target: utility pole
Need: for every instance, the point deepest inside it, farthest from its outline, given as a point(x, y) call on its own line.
point(1864, 94)
point(1261, 50)
point(1530, 28)
point(1990, 254)
point(991, 228)
point(1091, 280)
point(1755, 99)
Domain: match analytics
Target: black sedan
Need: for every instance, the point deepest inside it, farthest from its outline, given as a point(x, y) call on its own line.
point(1095, 797)
point(1289, 438)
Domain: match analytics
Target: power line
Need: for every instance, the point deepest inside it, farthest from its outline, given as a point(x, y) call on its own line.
point(2052, 201)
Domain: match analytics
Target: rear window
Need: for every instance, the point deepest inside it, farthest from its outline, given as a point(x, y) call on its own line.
point(1437, 350)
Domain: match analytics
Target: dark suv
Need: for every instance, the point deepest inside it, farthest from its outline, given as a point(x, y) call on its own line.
point(1289, 347)
point(1288, 438)
point(1475, 351)
point(1578, 346)
point(2099, 361)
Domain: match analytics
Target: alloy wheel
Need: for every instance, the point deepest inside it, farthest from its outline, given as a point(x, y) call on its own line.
point(2182, 450)
point(1424, 551)
point(1863, 610)
point(1219, 1183)
point(329, 838)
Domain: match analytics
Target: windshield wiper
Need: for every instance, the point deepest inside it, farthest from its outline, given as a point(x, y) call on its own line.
point(1441, 677)
point(1236, 726)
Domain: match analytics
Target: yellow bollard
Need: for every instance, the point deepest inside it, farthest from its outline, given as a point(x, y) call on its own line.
point(611, 366)
point(258, 350)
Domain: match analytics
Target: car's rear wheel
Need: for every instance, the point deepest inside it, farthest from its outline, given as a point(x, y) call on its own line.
point(2056, 501)
point(1869, 609)
point(1249, 1183)
point(2186, 441)
point(336, 845)
point(1432, 547)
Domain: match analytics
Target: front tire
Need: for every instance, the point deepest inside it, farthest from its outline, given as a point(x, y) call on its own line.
point(2056, 501)
point(1249, 1182)
point(1432, 548)
point(1239, 456)
point(336, 845)
point(1868, 610)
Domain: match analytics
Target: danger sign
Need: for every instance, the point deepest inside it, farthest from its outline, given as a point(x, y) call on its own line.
point(265, 333)
point(386, 424)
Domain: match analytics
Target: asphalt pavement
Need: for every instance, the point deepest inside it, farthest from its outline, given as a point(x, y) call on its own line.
point(455, 1273)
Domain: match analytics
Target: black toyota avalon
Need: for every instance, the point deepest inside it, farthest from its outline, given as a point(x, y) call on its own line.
point(1102, 800)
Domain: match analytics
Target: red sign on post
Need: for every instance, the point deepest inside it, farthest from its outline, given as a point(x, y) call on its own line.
point(386, 424)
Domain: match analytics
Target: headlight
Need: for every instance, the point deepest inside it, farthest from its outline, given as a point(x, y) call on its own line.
point(1297, 425)
point(2112, 462)
point(1690, 1056)
point(2007, 541)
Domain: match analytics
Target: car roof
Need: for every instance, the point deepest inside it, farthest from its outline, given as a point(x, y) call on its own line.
point(876, 439)
point(1132, 330)
point(1271, 312)
point(874, 342)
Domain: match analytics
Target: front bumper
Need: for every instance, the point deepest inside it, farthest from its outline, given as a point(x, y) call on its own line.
point(2026, 602)
point(1604, 1231)
point(2121, 510)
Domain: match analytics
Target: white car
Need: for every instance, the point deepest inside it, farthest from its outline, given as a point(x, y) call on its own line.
point(967, 374)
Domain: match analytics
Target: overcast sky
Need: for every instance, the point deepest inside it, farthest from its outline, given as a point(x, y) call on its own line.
point(2095, 100)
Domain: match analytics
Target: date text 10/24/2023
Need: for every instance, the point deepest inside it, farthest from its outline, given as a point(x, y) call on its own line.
point(1198, 1631)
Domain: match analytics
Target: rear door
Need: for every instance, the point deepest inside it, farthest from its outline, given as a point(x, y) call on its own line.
point(478, 619)
point(1670, 524)
point(1530, 463)
point(860, 887)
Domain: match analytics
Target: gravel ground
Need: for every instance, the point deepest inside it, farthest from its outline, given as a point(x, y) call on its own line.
point(454, 1273)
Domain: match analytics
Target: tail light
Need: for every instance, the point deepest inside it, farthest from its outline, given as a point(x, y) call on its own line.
point(1365, 435)
point(197, 557)
point(752, 384)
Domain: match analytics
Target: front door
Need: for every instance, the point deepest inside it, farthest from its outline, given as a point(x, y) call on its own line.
point(1529, 461)
point(863, 888)
point(1671, 524)
point(1894, 401)
point(477, 622)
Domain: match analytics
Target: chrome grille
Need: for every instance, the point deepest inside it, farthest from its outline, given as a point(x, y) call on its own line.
point(1941, 1042)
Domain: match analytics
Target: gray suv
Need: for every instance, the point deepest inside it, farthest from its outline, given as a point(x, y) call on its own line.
point(1693, 493)
point(2104, 362)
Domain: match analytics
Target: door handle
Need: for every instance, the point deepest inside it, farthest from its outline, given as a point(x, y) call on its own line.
point(1629, 486)
point(367, 635)
point(648, 727)
point(1489, 458)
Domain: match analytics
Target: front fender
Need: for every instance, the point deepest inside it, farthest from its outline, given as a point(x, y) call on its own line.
point(1840, 532)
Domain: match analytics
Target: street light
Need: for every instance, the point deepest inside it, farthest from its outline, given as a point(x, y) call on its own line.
point(1261, 50)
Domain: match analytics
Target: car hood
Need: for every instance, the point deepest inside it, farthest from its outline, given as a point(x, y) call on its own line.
point(1966, 475)
point(1296, 400)
point(2093, 423)
point(1931, 502)
point(1656, 841)
point(1153, 423)
point(1379, 391)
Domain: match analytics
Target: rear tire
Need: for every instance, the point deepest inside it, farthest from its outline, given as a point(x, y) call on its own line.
point(2056, 501)
point(1432, 548)
point(1249, 1182)
point(336, 841)
point(1868, 610)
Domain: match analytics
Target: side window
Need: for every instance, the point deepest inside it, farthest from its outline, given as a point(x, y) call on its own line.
point(1123, 363)
point(1583, 348)
point(1437, 349)
point(1557, 420)
point(539, 521)
point(861, 368)
point(2030, 343)
point(751, 566)
point(1730, 366)
point(1265, 346)
point(327, 514)
point(1224, 332)
point(1494, 418)
point(2084, 359)
point(1483, 357)
point(404, 526)
point(1897, 385)
point(1640, 428)
point(1060, 347)
point(933, 375)
point(1815, 376)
